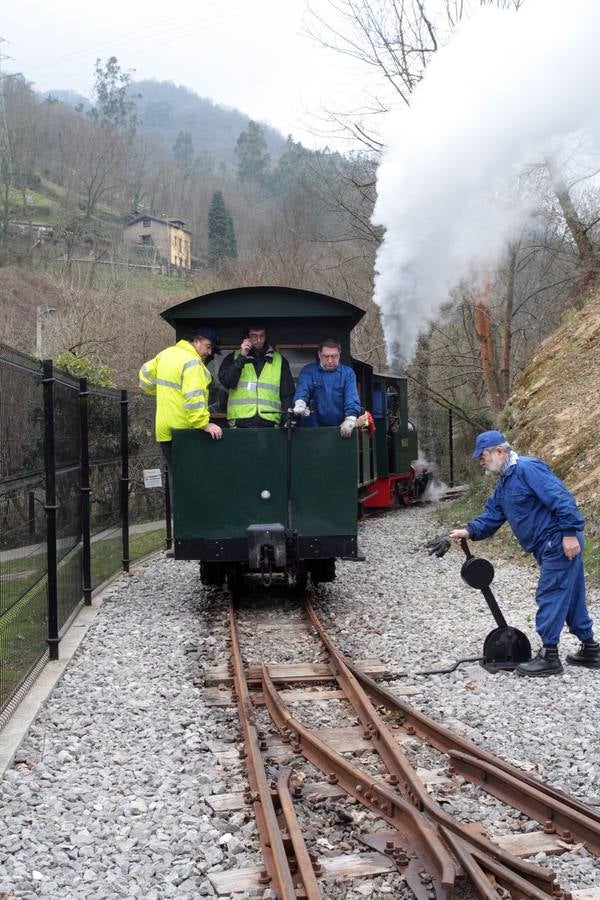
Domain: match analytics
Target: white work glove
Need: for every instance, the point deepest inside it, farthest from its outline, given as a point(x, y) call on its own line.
point(347, 426)
point(300, 408)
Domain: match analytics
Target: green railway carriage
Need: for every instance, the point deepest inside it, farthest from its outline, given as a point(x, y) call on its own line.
point(268, 499)
point(285, 499)
point(233, 511)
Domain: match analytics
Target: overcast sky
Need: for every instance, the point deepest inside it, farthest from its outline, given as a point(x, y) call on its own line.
point(251, 54)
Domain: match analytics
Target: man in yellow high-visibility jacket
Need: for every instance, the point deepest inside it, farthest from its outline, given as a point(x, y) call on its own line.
point(259, 382)
point(179, 379)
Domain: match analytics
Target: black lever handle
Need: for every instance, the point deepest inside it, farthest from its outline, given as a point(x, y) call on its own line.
point(465, 546)
point(493, 607)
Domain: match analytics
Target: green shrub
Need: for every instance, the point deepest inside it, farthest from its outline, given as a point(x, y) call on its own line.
point(83, 367)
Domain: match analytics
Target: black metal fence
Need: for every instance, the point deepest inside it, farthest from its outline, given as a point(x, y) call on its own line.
point(446, 441)
point(77, 504)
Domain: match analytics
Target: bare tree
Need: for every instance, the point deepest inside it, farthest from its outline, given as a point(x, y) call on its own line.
point(19, 118)
point(392, 43)
point(103, 149)
point(579, 230)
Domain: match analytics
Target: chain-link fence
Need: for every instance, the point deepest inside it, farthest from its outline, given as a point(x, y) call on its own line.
point(70, 515)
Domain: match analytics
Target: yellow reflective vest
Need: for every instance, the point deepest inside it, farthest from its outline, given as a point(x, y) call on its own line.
point(179, 380)
point(257, 394)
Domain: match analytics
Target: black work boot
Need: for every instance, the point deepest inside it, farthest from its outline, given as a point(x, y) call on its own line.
point(587, 655)
point(547, 662)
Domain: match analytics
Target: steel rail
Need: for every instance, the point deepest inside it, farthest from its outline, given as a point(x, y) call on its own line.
point(305, 866)
point(474, 871)
point(273, 850)
point(410, 783)
point(444, 740)
point(378, 798)
point(436, 841)
point(554, 815)
point(476, 863)
point(577, 817)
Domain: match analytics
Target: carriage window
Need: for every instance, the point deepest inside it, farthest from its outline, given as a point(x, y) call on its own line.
point(377, 401)
point(217, 402)
point(393, 408)
point(298, 356)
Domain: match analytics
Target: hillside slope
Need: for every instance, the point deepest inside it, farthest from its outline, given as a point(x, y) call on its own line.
point(166, 108)
point(553, 413)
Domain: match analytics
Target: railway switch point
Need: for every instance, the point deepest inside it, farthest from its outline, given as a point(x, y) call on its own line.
point(389, 799)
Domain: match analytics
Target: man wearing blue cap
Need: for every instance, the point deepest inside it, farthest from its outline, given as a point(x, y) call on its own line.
point(545, 519)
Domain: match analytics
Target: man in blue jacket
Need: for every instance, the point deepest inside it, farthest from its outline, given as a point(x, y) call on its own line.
point(545, 519)
point(326, 393)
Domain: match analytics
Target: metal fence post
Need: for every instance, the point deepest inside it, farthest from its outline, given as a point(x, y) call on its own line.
point(125, 480)
point(50, 506)
point(86, 530)
point(31, 506)
point(451, 445)
point(169, 530)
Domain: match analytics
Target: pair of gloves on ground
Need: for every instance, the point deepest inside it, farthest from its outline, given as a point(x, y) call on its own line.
point(346, 428)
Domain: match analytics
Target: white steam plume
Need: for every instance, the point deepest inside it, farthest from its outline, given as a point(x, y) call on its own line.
point(509, 89)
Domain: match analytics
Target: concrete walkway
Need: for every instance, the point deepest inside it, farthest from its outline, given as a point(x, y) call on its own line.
point(65, 543)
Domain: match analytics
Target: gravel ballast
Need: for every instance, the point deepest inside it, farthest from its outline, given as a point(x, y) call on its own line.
point(109, 793)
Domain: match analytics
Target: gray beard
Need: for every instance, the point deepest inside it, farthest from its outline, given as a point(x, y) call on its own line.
point(508, 462)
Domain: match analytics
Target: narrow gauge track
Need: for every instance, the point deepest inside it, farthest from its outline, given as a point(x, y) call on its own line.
point(435, 854)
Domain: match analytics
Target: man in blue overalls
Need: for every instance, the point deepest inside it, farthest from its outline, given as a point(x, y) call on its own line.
point(545, 519)
point(326, 393)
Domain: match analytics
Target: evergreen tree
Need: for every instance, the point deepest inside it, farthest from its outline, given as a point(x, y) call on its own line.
point(252, 155)
point(292, 166)
point(222, 243)
point(183, 149)
point(204, 163)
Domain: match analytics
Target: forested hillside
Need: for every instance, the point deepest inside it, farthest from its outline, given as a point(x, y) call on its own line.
point(166, 109)
point(73, 176)
point(264, 210)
